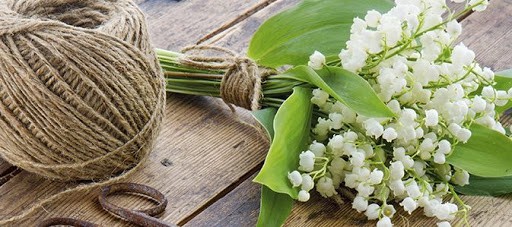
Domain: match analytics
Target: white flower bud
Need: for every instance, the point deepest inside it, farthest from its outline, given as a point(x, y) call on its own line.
point(454, 128)
point(373, 128)
point(303, 196)
point(307, 182)
point(336, 120)
point(365, 190)
point(316, 60)
point(389, 134)
point(360, 204)
point(336, 144)
point(372, 211)
point(419, 168)
point(295, 178)
point(463, 135)
point(376, 176)
point(408, 161)
point(478, 104)
point(462, 56)
point(322, 129)
point(427, 145)
point(397, 170)
point(338, 164)
point(384, 222)
point(425, 155)
point(398, 153)
point(460, 177)
point(413, 190)
point(444, 146)
point(431, 118)
point(439, 158)
point(372, 18)
point(357, 159)
point(488, 92)
point(409, 204)
point(394, 105)
point(350, 136)
point(319, 97)
point(325, 187)
point(397, 186)
point(307, 161)
point(501, 98)
point(442, 188)
point(454, 28)
point(445, 211)
point(317, 148)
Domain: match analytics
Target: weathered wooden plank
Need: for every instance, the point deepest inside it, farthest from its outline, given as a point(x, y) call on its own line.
point(486, 33)
point(238, 208)
point(237, 37)
point(175, 24)
point(203, 149)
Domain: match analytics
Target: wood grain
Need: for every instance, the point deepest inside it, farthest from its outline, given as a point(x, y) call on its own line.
point(487, 34)
point(176, 24)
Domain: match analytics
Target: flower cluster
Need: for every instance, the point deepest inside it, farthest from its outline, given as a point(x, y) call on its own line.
point(436, 90)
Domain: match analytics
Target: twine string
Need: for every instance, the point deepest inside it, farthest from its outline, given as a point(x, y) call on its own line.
point(241, 84)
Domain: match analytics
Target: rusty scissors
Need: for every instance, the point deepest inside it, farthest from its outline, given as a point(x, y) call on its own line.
point(138, 217)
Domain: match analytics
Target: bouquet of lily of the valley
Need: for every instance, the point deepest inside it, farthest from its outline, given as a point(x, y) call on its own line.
point(389, 107)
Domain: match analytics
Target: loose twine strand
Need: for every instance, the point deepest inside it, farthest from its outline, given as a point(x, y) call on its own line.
point(81, 92)
point(241, 83)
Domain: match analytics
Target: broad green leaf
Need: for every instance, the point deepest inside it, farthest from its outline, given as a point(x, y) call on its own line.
point(291, 128)
point(266, 119)
point(275, 208)
point(503, 82)
point(488, 186)
point(346, 87)
point(487, 153)
point(291, 36)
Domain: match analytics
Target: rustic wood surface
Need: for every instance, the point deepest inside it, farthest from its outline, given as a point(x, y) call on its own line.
point(206, 156)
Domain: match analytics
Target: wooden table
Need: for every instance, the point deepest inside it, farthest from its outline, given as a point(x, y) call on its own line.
point(205, 157)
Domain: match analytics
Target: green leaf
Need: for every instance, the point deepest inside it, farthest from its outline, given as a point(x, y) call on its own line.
point(291, 36)
point(291, 127)
point(488, 153)
point(488, 186)
point(346, 87)
point(503, 82)
point(275, 208)
point(266, 119)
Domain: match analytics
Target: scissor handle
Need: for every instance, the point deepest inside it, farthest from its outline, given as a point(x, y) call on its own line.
point(66, 221)
point(139, 217)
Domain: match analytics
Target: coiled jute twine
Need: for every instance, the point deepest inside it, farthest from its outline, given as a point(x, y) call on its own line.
point(81, 92)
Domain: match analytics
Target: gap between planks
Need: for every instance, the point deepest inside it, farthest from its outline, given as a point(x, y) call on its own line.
point(222, 194)
point(248, 13)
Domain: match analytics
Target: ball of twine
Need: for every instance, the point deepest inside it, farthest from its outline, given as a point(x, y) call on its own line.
point(81, 93)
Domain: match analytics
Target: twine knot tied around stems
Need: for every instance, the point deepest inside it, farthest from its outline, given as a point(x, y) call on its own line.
point(241, 82)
